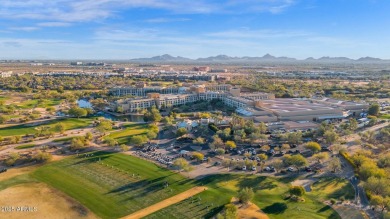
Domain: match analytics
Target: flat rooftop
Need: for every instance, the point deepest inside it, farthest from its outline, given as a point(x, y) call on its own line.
point(286, 105)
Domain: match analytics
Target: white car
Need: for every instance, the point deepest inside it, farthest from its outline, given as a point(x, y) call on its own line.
point(290, 169)
point(244, 168)
point(253, 168)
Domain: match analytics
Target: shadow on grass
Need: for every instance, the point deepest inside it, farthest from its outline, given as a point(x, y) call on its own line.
point(334, 214)
point(275, 208)
point(325, 208)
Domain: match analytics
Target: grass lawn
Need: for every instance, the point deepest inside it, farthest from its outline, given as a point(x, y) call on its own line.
point(24, 178)
point(123, 136)
point(108, 187)
point(63, 139)
point(69, 123)
point(269, 196)
point(28, 104)
point(385, 116)
point(25, 146)
point(330, 187)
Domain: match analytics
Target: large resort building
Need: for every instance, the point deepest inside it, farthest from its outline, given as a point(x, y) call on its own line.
point(260, 107)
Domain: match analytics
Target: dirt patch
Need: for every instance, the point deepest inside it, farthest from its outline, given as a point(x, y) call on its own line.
point(16, 172)
point(250, 211)
point(305, 183)
point(165, 203)
point(43, 202)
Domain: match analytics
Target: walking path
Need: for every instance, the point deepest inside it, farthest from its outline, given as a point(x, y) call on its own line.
point(165, 203)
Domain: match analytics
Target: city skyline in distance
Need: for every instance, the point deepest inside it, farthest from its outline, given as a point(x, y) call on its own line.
point(129, 29)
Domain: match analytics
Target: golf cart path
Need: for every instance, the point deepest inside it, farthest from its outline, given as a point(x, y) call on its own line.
point(165, 203)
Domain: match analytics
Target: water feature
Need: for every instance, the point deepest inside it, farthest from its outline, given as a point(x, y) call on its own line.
point(84, 103)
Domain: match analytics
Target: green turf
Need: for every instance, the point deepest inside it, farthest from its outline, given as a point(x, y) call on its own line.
point(269, 196)
point(331, 187)
point(69, 123)
point(25, 178)
point(63, 139)
point(386, 116)
point(25, 146)
point(28, 104)
point(112, 192)
point(123, 136)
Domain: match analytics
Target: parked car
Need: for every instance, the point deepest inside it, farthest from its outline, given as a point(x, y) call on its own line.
point(244, 168)
point(290, 169)
point(253, 168)
point(326, 149)
point(308, 169)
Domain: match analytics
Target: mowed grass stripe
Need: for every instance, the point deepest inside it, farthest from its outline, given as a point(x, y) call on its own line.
point(107, 191)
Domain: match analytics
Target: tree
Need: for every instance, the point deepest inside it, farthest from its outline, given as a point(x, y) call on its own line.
point(368, 169)
point(77, 143)
point(331, 136)
point(335, 164)
point(296, 161)
point(245, 195)
point(88, 136)
point(217, 142)
point(384, 160)
point(42, 157)
point(285, 147)
point(153, 115)
point(278, 164)
point(314, 147)
point(139, 140)
point(151, 135)
point(377, 186)
point(353, 124)
point(262, 128)
point(231, 144)
point(110, 141)
point(59, 127)
point(198, 156)
point(124, 147)
point(77, 112)
point(220, 151)
point(262, 159)
point(338, 148)
point(199, 141)
point(321, 157)
point(265, 148)
point(3, 119)
point(181, 131)
point(381, 202)
point(229, 212)
point(167, 120)
point(293, 137)
point(297, 191)
point(104, 126)
point(374, 109)
point(17, 138)
point(181, 164)
point(153, 128)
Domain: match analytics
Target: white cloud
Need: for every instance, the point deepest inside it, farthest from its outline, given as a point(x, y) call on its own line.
point(54, 24)
point(91, 10)
point(24, 28)
point(166, 20)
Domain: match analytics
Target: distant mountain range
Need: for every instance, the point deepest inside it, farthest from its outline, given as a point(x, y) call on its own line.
point(266, 58)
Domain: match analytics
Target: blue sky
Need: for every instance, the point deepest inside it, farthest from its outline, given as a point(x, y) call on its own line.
point(123, 29)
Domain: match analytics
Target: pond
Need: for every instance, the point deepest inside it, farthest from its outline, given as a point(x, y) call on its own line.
point(83, 103)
